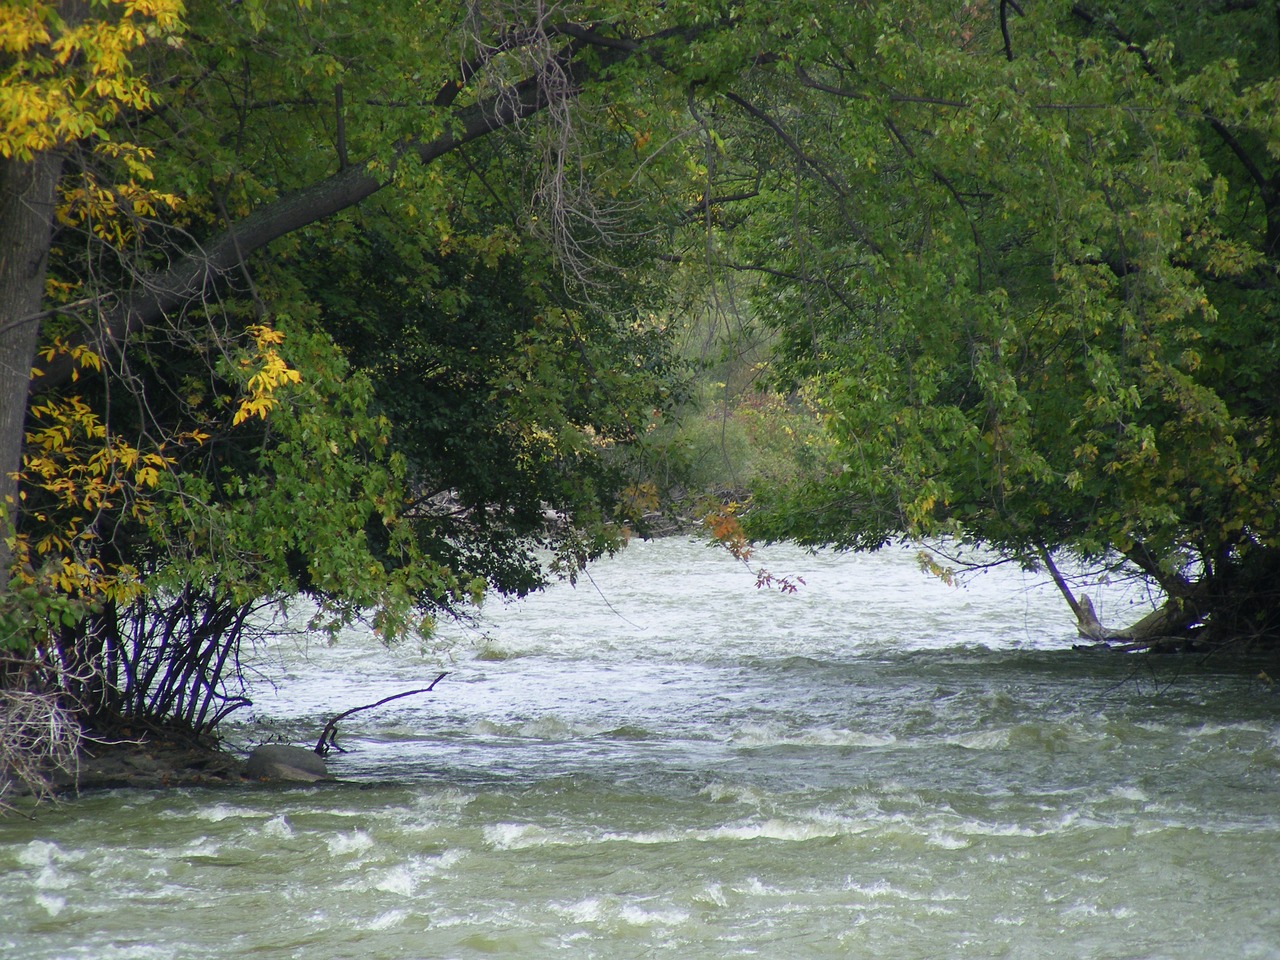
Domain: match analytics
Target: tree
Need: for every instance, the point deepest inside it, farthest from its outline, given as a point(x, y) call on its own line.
point(1028, 259)
point(66, 77)
point(248, 435)
point(289, 305)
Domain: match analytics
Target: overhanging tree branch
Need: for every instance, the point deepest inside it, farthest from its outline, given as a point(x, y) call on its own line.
point(810, 163)
point(202, 268)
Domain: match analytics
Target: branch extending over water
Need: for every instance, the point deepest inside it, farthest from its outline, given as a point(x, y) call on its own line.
point(329, 736)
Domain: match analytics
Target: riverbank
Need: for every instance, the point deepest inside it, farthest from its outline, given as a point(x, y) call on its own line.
point(149, 764)
point(154, 762)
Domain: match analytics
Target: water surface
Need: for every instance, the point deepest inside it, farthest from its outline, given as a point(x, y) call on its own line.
point(666, 762)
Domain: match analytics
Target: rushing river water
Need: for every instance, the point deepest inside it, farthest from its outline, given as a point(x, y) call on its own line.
point(667, 762)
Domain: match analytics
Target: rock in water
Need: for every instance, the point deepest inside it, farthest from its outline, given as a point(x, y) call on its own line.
point(277, 761)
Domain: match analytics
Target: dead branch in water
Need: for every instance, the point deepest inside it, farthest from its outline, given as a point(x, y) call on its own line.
point(329, 736)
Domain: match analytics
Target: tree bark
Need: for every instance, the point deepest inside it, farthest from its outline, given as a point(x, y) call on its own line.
point(28, 195)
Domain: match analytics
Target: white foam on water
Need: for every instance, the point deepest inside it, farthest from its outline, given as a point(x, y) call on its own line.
point(1129, 792)
point(1088, 910)
point(611, 911)
point(446, 799)
point(733, 793)
point(51, 903)
point(45, 858)
point(49, 878)
point(337, 811)
point(979, 828)
point(755, 887)
point(518, 836)
point(639, 916)
point(775, 735)
point(201, 847)
point(771, 829)
point(589, 910)
point(547, 728)
point(216, 813)
point(277, 828)
point(1210, 729)
point(344, 844)
point(433, 864)
point(947, 841)
point(713, 895)
point(996, 739)
point(383, 921)
point(39, 853)
point(879, 889)
point(137, 951)
point(401, 879)
point(398, 880)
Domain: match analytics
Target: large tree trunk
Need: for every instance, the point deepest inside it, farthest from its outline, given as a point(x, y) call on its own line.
point(28, 194)
point(1170, 622)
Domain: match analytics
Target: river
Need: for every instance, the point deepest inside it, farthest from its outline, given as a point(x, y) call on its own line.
point(666, 762)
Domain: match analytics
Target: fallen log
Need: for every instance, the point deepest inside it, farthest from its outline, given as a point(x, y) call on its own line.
point(1171, 622)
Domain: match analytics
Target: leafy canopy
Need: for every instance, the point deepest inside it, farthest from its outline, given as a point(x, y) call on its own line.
point(1027, 260)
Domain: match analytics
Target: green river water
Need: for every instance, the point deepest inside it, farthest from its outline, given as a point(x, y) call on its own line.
point(666, 762)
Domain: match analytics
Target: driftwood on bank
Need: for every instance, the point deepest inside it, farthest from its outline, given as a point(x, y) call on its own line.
point(1168, 623)
point(329, 736)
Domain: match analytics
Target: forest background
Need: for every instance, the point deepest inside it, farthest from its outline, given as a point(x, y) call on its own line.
point(395, 311)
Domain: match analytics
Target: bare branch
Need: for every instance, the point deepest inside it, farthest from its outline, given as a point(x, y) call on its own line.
point(39, 739)
point(329, 736)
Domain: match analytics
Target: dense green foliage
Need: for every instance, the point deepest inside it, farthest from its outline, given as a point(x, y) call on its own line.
point(376, 298)
point(441, 359)
point(1028, 263)
point(394, 407)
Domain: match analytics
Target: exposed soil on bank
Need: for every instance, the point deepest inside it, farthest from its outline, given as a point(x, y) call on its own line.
point(156, 763)
point(151, 763)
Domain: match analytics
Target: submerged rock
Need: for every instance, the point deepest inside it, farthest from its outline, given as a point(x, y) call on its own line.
point(278, 761)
